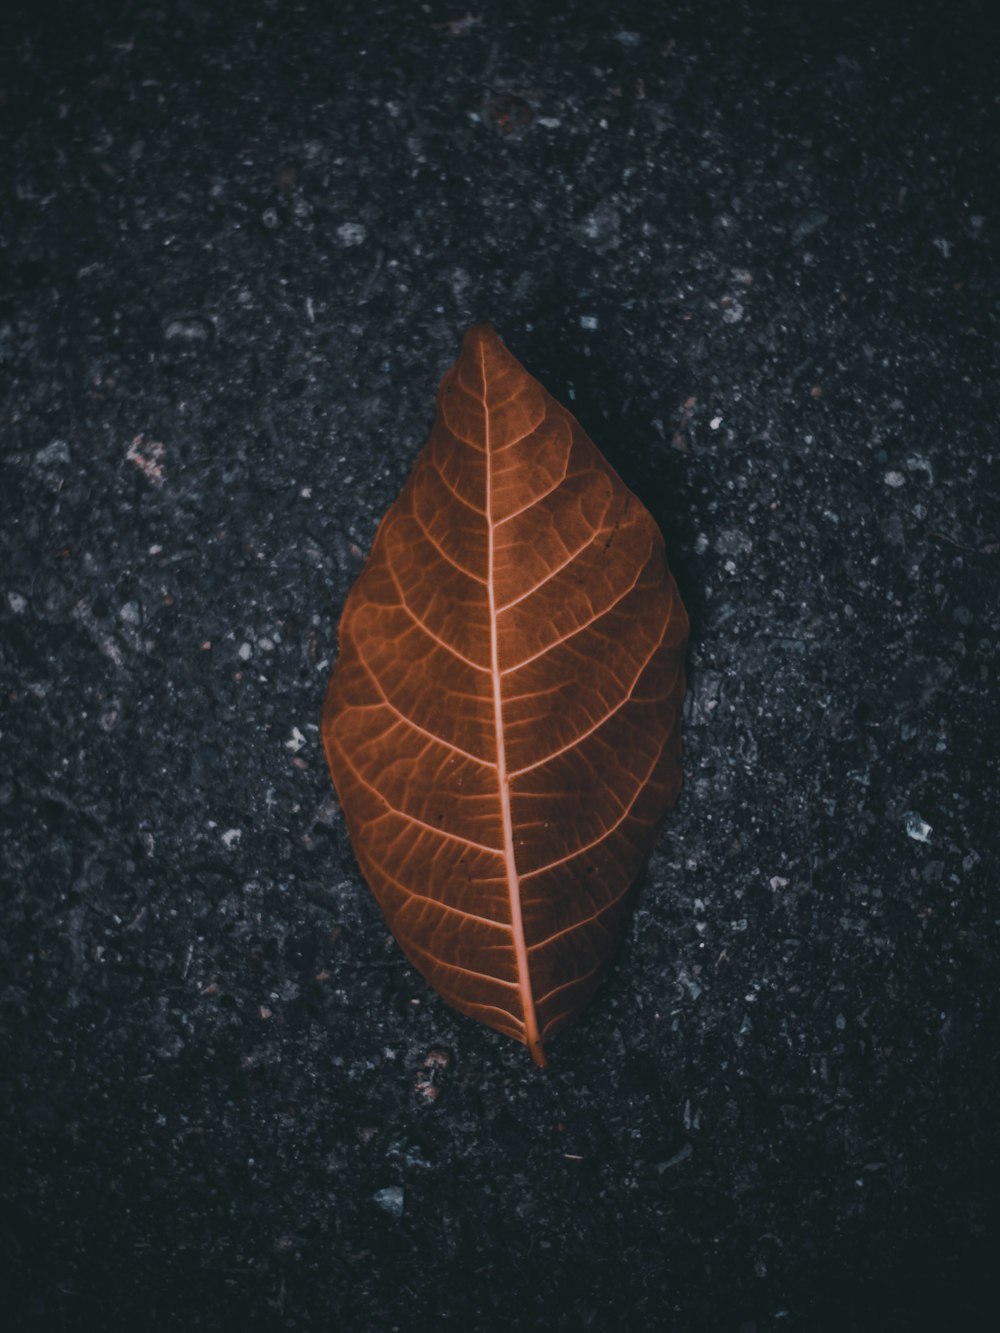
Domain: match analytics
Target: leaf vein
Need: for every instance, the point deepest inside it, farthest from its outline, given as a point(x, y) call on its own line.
point(557, 643)
point(391, 809)
point(577, 740)
point(425, 898)
point(552, 573)
point(595, 842)
point(568, 930)
point(538, 498)
point(387, 703)
point(460, 498)
point(457, 967)
point(404, 606)
point(511, 443)
point(444, 554)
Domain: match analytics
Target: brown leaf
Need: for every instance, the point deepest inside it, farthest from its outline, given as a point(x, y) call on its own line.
point(503, 722)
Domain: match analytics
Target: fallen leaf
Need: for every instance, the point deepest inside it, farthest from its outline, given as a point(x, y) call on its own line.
point(503, 721)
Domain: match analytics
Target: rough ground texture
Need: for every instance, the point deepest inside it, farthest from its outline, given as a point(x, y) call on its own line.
point(757, 256)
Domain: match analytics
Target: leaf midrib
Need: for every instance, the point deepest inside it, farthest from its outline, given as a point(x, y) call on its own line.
point(532, 1037)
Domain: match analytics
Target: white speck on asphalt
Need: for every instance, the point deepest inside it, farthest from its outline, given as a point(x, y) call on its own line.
point(351, 234)
point(390, 1200)
point(916, 827)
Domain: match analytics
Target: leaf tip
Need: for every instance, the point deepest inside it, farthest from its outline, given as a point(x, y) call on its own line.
point(482, 334)
point(482, 347)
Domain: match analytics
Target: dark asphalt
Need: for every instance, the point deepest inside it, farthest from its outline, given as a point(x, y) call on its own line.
point(757, 256)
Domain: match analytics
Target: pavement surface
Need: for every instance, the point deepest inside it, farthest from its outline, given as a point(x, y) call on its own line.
point(755, 250)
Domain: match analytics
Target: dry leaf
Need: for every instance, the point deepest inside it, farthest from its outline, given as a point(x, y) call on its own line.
point(503, 722)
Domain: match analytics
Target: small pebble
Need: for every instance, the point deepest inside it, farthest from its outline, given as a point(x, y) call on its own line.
point(53, 454)
point(916, 827)
point(351, 234)
point(390, 1200)
point(187, 329)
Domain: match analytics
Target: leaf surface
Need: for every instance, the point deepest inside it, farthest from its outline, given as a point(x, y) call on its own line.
point(503, 721)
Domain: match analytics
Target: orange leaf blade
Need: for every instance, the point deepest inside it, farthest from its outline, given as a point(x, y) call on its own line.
point(502, 724)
